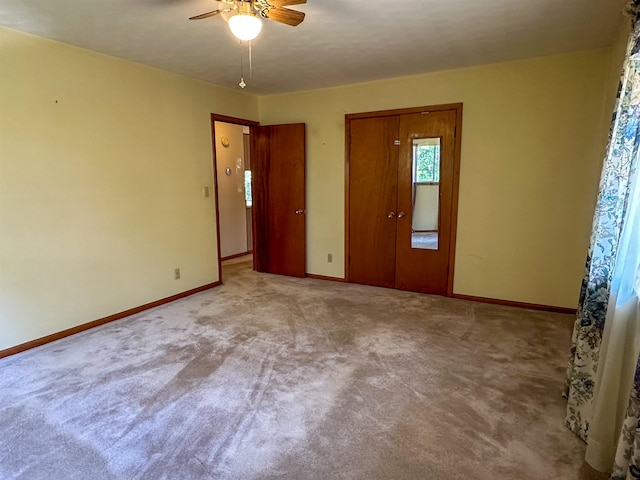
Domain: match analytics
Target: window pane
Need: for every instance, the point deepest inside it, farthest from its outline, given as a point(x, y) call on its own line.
point(427, 163)
point(247, 188)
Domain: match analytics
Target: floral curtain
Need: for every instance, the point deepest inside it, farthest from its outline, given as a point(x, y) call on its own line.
point(611, 208)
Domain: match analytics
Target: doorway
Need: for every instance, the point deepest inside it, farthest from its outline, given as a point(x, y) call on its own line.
point(259, 178)
point(402, 191)
point(231, 139)
point(233, 173)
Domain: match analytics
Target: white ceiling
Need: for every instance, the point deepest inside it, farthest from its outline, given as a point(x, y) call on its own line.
point(340, 41)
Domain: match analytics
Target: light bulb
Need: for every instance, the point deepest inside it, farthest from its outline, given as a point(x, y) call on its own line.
point(245, 26)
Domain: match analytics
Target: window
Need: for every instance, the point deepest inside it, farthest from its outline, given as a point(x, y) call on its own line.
point(427, 168)
point(247, 188)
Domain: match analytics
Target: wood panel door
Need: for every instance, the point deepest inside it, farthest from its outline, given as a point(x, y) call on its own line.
point(373, 178)
point(420, 267)
point(402, 188)
point(278, 190)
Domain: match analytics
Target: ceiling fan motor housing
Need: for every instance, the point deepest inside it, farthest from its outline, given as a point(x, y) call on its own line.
point(272, 10)
point(245, 7)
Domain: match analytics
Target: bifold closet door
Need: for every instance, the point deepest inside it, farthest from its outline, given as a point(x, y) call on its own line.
point(373, 183)
point(425, 201)
point(402, 178)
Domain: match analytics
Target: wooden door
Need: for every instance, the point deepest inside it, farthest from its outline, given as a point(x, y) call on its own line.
point(373, 171)
point(278, 189)
point(422, 256)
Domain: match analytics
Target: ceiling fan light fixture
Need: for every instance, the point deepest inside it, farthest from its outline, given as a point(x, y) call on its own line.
point(245, 25)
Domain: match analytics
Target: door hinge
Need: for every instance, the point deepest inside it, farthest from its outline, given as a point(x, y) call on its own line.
point(396, 143)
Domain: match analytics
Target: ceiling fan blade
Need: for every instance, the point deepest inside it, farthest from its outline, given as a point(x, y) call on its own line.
point(286, 16)
point(286, 3)
point(205, 15)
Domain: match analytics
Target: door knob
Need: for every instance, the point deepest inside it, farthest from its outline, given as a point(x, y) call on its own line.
point(391, 215)
point(402, 214)
point(299, 212)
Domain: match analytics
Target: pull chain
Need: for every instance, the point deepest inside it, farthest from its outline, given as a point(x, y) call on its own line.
point(250, 62)
point(242, 83)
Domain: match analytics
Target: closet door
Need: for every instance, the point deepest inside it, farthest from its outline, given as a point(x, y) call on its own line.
point(425, 200)
point(373, 182)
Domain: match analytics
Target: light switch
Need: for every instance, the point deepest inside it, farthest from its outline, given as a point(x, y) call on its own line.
point(205, 191)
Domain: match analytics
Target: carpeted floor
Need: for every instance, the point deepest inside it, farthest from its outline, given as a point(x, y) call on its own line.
point(272, 377)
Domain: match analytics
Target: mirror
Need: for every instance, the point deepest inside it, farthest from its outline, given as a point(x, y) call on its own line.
point(426, 193)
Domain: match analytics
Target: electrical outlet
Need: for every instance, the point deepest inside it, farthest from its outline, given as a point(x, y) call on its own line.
point(176, 274)
point(205, 191)
point(330, 257)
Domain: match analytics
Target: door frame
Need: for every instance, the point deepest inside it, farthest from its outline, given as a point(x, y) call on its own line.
point(456, 177)
point(236, 121)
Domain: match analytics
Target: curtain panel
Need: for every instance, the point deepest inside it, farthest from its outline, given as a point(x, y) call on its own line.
point(611, 207)
point(606, 337)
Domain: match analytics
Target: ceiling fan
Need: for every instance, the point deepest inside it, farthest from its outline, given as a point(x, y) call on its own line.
point(247, 12)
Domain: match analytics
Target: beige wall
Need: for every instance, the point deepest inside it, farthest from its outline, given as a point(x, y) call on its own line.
point(102, 164)
point(531, 157)
point(231, 207)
